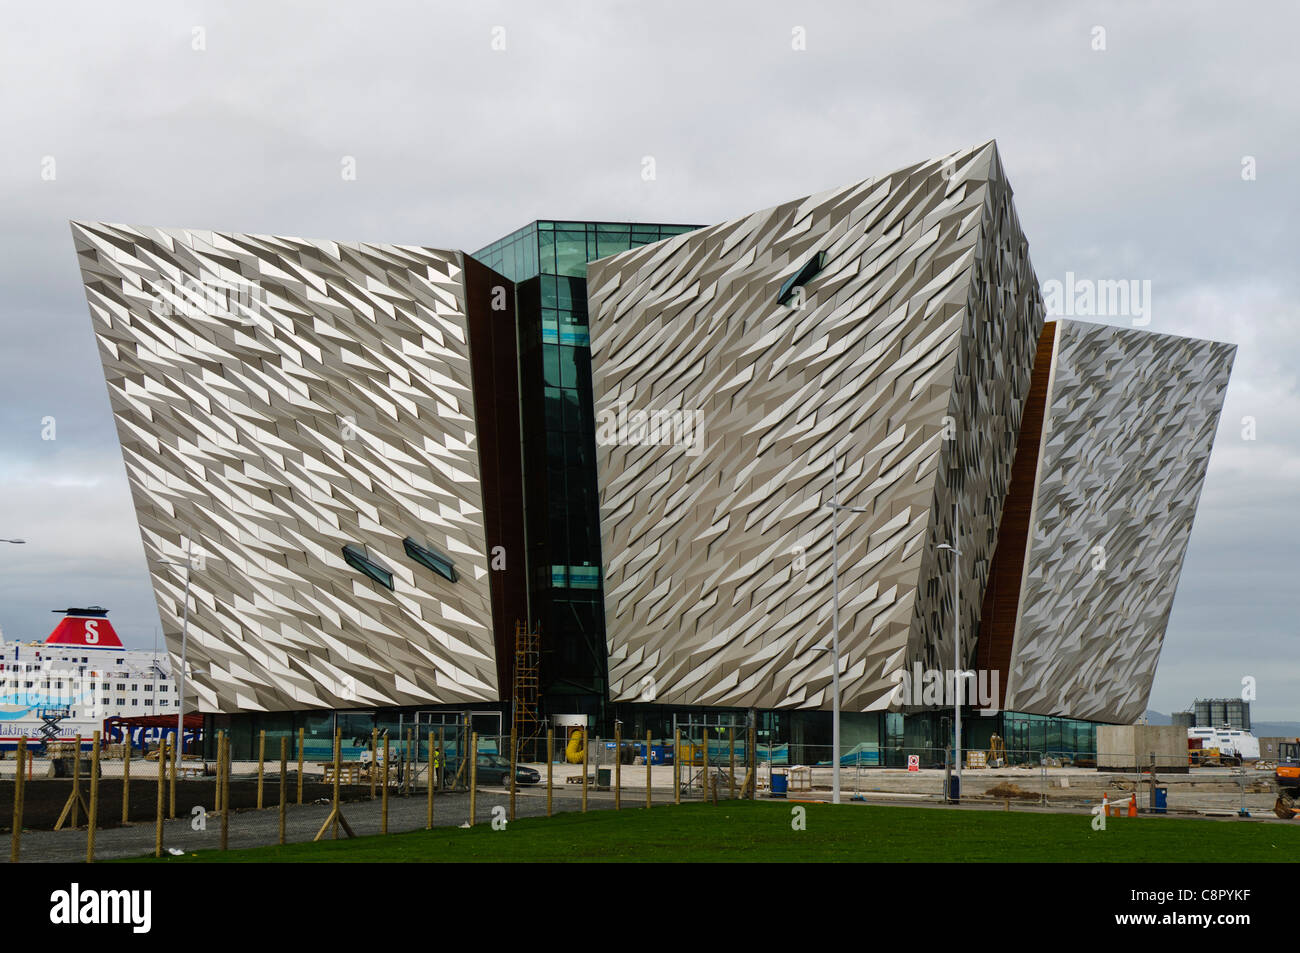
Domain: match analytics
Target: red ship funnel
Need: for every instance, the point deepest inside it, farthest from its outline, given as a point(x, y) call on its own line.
point(85, 628)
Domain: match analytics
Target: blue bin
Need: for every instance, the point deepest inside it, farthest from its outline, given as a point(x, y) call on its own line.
point(1162, 799)
point(954, 789)
point(780, 784)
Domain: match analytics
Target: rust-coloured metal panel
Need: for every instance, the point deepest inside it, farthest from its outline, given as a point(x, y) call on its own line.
point(1002, 595)
point(490, 300)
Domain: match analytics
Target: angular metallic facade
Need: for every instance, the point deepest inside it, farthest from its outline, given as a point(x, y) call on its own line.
point(1130, 420)
point(909, 353)
point(277, 399)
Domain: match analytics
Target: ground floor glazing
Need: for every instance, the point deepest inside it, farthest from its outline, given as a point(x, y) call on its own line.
point(867, 739)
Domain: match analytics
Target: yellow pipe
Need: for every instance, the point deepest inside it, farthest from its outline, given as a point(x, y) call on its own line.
point(575, 749)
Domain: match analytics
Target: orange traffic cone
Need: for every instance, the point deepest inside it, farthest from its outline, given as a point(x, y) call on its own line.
point(1105, 805)
point(1133, 806)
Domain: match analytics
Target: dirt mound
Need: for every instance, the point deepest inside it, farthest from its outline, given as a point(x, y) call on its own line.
point(1007, 790)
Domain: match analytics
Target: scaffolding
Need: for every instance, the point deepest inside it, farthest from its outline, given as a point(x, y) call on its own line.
point(526, 726)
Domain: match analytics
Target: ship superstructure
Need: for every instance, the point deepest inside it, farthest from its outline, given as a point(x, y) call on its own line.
point(81, 675)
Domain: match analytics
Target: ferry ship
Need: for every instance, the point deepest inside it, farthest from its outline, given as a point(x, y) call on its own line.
point(77, 680)
point(1238, 742)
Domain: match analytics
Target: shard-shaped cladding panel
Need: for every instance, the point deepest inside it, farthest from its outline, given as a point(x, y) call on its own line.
point(896, 320)
point(1129, 424)
point(277, 400)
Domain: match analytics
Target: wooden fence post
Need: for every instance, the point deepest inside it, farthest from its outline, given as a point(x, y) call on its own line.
point(15, 841)
point(338, 771)
point(408, 761)
point(336, 818)
point(225, 792)
point(261, 765)
point(171, 809)
point(514, 766)
point(374, 765)
point(284, 771)
point(383, 824)
point(473, 778)
point(76, 783)
point(751, 754)
point(162, 790)
point(550, 766)
point(618, 766)
point(428, 811)
point(584, 769)
point(704, 760)
point(731, 744)
point(94, 800)
point(126, 778)
point(714, 781)
point(216, 795)
point(677, 766)
point(302, 737)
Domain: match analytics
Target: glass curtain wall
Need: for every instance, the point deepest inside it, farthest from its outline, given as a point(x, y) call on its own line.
point(548, 260)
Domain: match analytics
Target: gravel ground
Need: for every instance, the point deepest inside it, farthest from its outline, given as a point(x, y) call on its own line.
point(252, 828)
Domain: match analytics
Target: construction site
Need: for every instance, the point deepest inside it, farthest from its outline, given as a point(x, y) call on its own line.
point(726, 765)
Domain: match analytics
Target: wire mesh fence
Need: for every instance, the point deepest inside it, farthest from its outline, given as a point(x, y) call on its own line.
point(453, 776)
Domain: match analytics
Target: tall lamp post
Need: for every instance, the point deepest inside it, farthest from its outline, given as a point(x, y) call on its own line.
point(185, 630)
point(957, 680)
point(835, 507)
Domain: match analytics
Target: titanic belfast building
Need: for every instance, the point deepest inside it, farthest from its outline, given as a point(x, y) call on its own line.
point(636, 472)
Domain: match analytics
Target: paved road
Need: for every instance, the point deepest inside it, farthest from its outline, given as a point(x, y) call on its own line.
point(252, 828)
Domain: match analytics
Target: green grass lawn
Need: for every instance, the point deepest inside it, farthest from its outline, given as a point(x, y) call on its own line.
point(761, 832)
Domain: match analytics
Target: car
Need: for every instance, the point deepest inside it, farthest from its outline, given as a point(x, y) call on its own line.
point(494, 769)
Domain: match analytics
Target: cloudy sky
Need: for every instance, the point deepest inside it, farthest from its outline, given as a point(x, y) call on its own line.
point(1129, 136)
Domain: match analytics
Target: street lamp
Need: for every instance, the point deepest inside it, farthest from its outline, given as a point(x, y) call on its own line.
point(956, 648)
point(835, 507)
point(185, 630)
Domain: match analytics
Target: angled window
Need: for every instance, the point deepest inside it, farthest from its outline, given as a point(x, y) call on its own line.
point(804, 275)
point(430, 558)
point(358, 559)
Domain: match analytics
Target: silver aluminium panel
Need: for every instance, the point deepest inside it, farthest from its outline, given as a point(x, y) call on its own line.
point(1129, 424)
point(909, 353)
point(276, 399)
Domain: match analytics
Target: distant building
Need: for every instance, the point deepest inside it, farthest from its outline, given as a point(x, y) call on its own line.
point(1218, 712)
point(1268, 747)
